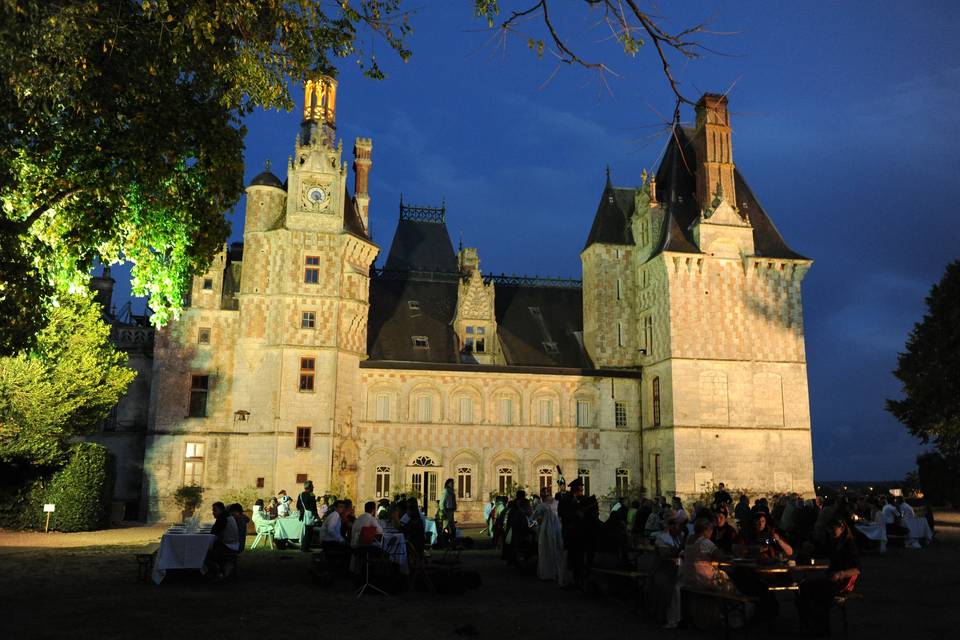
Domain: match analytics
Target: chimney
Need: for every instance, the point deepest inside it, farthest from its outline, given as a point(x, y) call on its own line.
point(714, 151)
point(362, 153)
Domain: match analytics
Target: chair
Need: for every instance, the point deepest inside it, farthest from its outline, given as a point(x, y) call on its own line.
point(418, 567)
point(363, 558)
point(264, 529)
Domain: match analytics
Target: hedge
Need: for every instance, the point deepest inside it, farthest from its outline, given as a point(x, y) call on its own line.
point(81, 490)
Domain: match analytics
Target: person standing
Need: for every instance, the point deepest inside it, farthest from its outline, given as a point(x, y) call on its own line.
point(448, 507)
point(571, 512)
point(549, 538)
point(307, 506)
point(721, 497)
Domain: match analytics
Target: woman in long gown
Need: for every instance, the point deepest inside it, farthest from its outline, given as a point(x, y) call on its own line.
point(549, 539)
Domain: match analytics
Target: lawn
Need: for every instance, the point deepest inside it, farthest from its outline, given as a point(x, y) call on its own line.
point(64, 591)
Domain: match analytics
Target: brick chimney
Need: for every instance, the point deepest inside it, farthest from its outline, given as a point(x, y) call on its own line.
point(714, 151)
point(362, 153)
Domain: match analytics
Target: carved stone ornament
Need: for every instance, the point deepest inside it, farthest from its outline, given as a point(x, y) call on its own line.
point(314, 196)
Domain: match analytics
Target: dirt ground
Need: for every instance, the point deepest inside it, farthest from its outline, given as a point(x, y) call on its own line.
point(84, 586)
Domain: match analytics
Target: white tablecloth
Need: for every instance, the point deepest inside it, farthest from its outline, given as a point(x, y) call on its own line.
point(181, 551)
point(874, 531)
point(919, 529)
point(395, 546)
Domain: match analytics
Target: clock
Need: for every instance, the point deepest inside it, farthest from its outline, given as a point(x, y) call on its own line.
point(316, 195)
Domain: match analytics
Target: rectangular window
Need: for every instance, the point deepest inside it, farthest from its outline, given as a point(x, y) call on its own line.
point(383, 407)
point(481, 344)
point(506, 410)
point(655, 384)
point(464, 483)
point(199, 389)
point(619, 289)
point(648, 335)
point(583, 413)
point(584, 474)
point(623, 482)
point(383, 482)
point(301, 478)
point(303, 437)
point(466, 410)
point(420, 342)
point(424, 409)
point(657, 474)
point(193, 464)
point(311, 270)
point(476, 339)
point(308, 320)
point(260, 483)
point(203, 335)
point(307, 372)
point(620, 414)
point(619, 334)
point(546, 412)
point(208, 284)
point(504, 479)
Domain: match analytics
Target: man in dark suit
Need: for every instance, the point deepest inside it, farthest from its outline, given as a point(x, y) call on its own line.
point(307, 506)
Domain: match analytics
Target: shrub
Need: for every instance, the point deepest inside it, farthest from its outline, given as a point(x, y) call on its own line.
point(81, 490)
point(188, 497)
point(244, 497)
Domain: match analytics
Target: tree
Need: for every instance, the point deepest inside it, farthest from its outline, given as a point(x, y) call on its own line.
point(929, 369)
point(122, 136)
point(63, 388)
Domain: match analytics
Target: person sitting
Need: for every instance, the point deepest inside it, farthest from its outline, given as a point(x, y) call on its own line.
point(272, 509)
point(366, 527)
point(762, 540)
point(330, 531)
point(383, 509)
point(816, 594)
point(698, 570)
point(906, 511)
point(283, 506)
point(413, 529)
point(654, 523)
point(893, 520)
point(226, 537)
point(670, 542)
point(724, 534)
point(236, 511)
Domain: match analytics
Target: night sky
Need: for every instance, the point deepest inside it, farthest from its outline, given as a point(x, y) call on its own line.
point(845, 126)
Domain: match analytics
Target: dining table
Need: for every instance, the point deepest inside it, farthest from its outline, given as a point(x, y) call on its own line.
point(181, 550)
point(289, 528)
point(776, 575)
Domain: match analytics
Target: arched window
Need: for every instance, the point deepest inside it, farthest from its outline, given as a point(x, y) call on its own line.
point(504, 480)
point(423, 461)
point(545, 476)
point(465, 483)
point(584, 475)
point(623, 482)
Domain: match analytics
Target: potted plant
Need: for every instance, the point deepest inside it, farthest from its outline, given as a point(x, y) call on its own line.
point(188, 498)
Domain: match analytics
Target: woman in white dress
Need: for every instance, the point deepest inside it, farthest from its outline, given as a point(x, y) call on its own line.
point(549, 539)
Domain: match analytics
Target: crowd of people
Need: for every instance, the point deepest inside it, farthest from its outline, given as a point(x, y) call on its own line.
point(691, 548)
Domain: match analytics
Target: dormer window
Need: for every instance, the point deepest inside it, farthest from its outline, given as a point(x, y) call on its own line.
point(551, 347)
point(421, 342)
point(476, 340)
point(414, 307)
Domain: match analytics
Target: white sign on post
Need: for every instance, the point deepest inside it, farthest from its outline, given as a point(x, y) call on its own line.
point(49, 508)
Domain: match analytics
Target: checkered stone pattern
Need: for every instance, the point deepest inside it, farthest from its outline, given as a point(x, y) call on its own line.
point(603, 266)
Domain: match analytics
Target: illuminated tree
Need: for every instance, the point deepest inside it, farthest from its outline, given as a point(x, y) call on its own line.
point(122, 135)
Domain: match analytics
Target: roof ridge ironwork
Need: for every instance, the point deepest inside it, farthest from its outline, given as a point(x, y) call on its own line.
point(421, 213)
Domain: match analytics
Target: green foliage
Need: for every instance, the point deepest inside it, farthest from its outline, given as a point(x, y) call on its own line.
point(928, 369)
point(122, 136)
point(188, 497)
point(244, 497)
point(63, 388)
point(81, 491)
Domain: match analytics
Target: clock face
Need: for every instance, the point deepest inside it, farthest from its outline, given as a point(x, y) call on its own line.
point(316, 195)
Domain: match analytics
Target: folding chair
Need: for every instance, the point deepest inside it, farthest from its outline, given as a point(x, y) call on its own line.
point(264, 530)
point(363, 558)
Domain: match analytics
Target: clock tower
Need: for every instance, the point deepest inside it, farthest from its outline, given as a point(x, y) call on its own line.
point(304, 302)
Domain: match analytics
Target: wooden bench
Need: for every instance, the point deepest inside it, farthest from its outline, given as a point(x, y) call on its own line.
point(729, 603)
point(840, 602)
point(638, 577)
point(145, 561)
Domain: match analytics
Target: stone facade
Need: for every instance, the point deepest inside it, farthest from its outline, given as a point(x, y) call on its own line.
point(692, 335)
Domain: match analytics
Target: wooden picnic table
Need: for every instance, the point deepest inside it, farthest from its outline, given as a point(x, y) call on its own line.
point(773, 574)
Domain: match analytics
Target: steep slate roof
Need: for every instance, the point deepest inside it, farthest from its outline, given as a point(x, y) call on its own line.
point(351, 217)
point(393, 324)
point(529, 316)
point(421, 245)
point(611, 223)
point(677, 191)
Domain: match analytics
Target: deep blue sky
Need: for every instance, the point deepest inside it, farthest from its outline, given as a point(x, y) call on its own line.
point(845, 125)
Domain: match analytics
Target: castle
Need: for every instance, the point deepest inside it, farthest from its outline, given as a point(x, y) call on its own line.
point(679, 361)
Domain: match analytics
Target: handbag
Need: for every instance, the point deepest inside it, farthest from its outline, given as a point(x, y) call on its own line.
point(309, 518)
